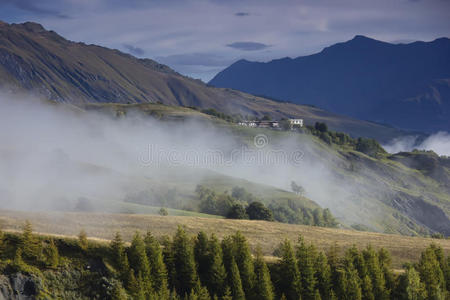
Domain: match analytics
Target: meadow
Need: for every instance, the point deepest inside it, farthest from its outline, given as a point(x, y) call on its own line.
point(266, 235)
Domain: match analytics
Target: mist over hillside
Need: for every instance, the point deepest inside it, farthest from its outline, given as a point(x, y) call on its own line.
point(438, 142)
point(54, 155)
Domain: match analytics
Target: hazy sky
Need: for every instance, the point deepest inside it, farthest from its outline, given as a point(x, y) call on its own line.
point(201, 37)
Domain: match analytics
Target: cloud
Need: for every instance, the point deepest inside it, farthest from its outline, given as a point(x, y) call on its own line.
point(34, 7)
point(248, 46)
point(192, 59)
point(165, 28)
point(438, 142)
point(134, 50)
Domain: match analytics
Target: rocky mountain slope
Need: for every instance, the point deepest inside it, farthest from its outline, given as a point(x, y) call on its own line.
point(405, 85)
point(34, 59)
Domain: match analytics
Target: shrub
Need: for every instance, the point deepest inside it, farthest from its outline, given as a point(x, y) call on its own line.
point(369, 146)
point(322, 127)
point(163, 212)
point(237, 211)
point(257, 211)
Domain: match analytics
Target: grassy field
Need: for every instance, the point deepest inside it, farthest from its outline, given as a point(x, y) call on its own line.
point(133, 208)
point(267, 235)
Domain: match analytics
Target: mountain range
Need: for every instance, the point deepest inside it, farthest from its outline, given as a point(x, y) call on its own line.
point(404, 85)
point(35, 59)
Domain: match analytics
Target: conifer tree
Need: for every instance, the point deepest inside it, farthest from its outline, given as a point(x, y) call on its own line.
point(51, 254)
point(385, 260)
point(132, 284)
point(375, 273)
point(168, 258)
point(352, 283)
point(2, 243)
point(317, 295)
point(173, 295)
point(184, 264)
point(367, 288)
point(228, 252)
point(216, 274)
point(263, 289)
point(415, 289)
point(334, 263)
point(244, 262)
point(431, 274)
point(18, 260)
point(306, 260)
point(440, 256)
point(82, 240)
point(234, 280)
point(157, 266)
point(138, 259)
point(29, 244)
point(203, 294)
point(443, 263)
point(447, 274)
point(117, 249)
point(142, 288)
point(289, 279)
point(227, 295)
point(119, 256)
point(355, 257)
point(323, 276)
point(118, 292)
point(202, 256)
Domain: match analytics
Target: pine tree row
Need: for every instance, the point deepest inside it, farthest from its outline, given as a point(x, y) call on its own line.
point(202, 267)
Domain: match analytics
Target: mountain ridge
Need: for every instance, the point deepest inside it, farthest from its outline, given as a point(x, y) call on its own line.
point(34, 59)
point(405, 85)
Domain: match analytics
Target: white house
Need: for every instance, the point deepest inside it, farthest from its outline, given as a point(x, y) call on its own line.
point(296, 122)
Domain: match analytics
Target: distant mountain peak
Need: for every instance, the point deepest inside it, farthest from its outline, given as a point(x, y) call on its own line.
point(359, 37)
point(405, 85)
point(30, 26)
point(362, 40)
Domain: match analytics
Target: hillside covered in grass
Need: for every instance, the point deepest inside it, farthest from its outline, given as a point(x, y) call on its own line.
point(263, 234)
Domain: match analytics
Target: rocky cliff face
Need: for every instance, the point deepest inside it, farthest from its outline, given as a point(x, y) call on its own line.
point(19, 287)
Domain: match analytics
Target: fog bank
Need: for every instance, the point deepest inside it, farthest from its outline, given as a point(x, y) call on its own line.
point(438, 142)
point(54, 156)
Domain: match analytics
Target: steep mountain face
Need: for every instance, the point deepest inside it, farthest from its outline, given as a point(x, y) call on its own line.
point(34, 59)
point(405, 85)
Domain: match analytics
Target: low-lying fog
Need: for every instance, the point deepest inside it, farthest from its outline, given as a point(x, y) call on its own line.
point(53, 155)
point(438, 142)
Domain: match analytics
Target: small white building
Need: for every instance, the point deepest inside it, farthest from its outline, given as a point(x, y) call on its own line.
point(248, 123)
point(296, 122)
point(260, 124)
